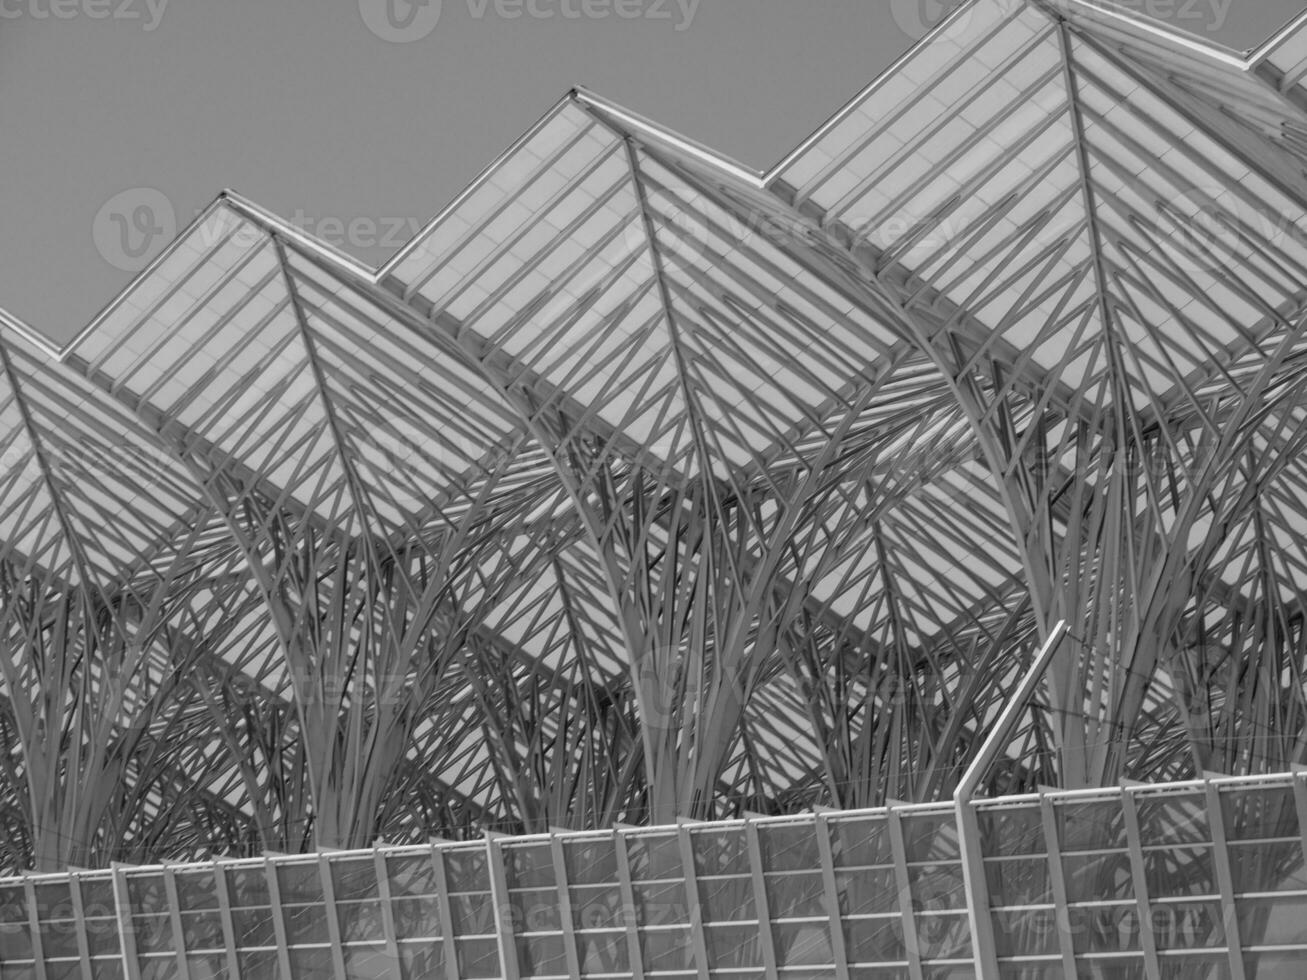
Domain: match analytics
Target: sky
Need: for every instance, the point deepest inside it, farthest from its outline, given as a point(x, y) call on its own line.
point(359, 119)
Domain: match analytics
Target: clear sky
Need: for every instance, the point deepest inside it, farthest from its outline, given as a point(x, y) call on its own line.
point(360, 118)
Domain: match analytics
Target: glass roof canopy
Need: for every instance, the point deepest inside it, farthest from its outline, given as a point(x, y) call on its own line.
point(639, 485)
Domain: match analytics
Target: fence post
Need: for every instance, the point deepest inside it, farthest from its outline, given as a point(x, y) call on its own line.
point(983, 944)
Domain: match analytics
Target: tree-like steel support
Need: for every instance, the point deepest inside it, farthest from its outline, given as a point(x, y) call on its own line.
point(638, 488)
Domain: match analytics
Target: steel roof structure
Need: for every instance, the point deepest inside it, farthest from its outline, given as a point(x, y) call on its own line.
point(641, 486)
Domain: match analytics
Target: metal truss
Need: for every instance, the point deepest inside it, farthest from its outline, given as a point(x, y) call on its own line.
point(641, 487)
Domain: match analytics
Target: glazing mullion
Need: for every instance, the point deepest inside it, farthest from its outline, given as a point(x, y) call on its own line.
point(980, 920)
point(1139, 880)
point(79, 911)
point(278, 922)
point(629, 914)
point(122, 908)
point(224, 916)
point(760, 906)
point(333, 922)
point(34, 924)
point(1057, 881)
point(1224, 881)
point(693, 902)
point(904, 883)
point(501, 903)
point(1300, 800)
point(175, 918)
point(446, 914)
point(388, 929)
point(831, 895)
point(565, 907)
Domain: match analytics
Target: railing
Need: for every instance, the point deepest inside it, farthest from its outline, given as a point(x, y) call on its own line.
point(1201, 879)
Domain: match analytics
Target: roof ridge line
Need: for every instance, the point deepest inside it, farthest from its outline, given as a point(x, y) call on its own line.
point(1088, 198)
point(642, 125)
point(1116, 11)
point(760, 179)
